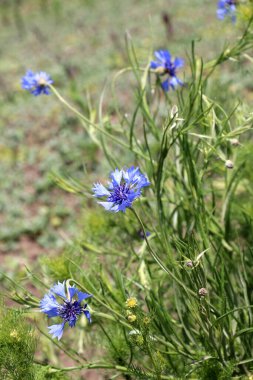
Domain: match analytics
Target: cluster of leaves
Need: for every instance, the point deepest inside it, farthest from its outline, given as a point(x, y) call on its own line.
point(17, 346)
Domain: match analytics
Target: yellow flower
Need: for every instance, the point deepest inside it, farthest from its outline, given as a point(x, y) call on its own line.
point(14, 334)
point(132, 318)
point(131, 302)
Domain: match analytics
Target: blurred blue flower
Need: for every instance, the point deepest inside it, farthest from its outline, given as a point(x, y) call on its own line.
point(68, 310)
point(124, 188)
point(142, 236)
point(164, 65)
point(226, 8)
point(36, 83)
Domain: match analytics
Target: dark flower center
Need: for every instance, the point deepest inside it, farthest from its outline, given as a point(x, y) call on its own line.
point(70, 311)
point(231, 2)
point(170, 69)
point(119, 194)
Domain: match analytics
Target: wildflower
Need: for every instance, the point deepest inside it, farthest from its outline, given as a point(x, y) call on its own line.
point(132, 318)
point(131, 302)
point(203, 292)
point(124, 188)
point(229, 164)
point(68, 311)
point(14, 334)
point(36, 83)
point(146, 320)
point(226, 8)
point(164, 65)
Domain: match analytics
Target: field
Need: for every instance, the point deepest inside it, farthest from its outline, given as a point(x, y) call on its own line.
point(171, 277)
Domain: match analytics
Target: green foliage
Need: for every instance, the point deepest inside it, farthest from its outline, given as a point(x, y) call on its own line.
point(46, 373)
point(212, 369)
point(59, 267)
point(96, 224)
point(17, 346)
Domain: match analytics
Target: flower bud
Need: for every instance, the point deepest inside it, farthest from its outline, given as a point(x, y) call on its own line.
point(139, 340)
point(189, 264)
point(234, 142)
point(203, 292)
point(229, 164)
point(146, 320)
point(132, 318)
point(174, 111)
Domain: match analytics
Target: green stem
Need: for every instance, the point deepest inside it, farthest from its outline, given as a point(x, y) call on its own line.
point(60, 346)
point(103, 366)
point(157, 259)
point(86, 120)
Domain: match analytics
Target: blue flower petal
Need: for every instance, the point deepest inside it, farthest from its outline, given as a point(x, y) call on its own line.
point(27, 82)
point(87, 314)
point(99, 190)
point(116, 177)
point(56, 330)
point(163, 55)
point(59, 289)
point(72, 291)
point(82, 296)
point(72, 322)
point(224, 9)
point(173, 82)
point(165, 85)
point(43, 77)
point(107, 205)
point(154, 65)
point(179, 62)
point(221, 13)
point(49, 305)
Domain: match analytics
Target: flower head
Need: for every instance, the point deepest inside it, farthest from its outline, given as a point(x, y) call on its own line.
point(226, 8)
point(164, 65)
point(124, 188)
point(131, 302)
point(36, 83)
point(68, 309)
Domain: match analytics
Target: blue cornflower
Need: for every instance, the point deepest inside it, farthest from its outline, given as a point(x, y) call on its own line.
point(124, 188)
point(164, 65)
point(36, 83)
point(68, 310)
point(226, 8)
